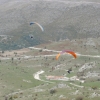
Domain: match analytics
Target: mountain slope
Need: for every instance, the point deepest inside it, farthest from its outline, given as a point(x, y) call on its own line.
point(60, 19)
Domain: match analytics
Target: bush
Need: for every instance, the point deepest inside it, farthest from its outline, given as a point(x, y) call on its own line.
point(52, 91)
point(94, 87)
point(40, 50)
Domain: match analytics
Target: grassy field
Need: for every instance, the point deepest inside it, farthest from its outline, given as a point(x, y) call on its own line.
point(17, 74)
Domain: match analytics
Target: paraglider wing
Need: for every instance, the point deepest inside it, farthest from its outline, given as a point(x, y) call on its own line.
point(38, 25)
point(32, 23)
point(57, 56)
point(71, 52)
point(67, 51)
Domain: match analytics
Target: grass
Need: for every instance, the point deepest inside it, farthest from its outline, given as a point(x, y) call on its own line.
point(92, 84)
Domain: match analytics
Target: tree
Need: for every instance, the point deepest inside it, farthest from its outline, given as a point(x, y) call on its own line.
point(40, 50)
point(12, 59)
point(2, 51)
point(52, 91)
point(45, 47)
point(11, 98)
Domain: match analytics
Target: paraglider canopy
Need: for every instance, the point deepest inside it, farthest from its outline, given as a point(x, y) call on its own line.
point(32, 23)
point(37, 24)
point(66, 51)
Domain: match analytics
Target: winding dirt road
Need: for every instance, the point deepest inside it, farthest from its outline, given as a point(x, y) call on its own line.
point(37, 77)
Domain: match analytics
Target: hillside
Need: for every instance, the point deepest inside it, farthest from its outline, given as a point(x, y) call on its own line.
point(61, 19)
point(34, 73)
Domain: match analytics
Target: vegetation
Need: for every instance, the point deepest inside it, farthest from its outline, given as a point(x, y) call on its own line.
point(34, 73)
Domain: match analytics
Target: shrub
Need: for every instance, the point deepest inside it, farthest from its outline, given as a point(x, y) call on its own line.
point(52, 91)
point(40, 50)
point(94, 87)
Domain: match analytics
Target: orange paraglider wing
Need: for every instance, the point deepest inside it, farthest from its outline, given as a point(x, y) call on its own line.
point(57, 56)
point(67, 51)
point(72, 53)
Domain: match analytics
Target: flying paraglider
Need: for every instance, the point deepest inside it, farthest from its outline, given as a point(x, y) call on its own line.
point(38, 25)
point(31, 36)
point(66, 51)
